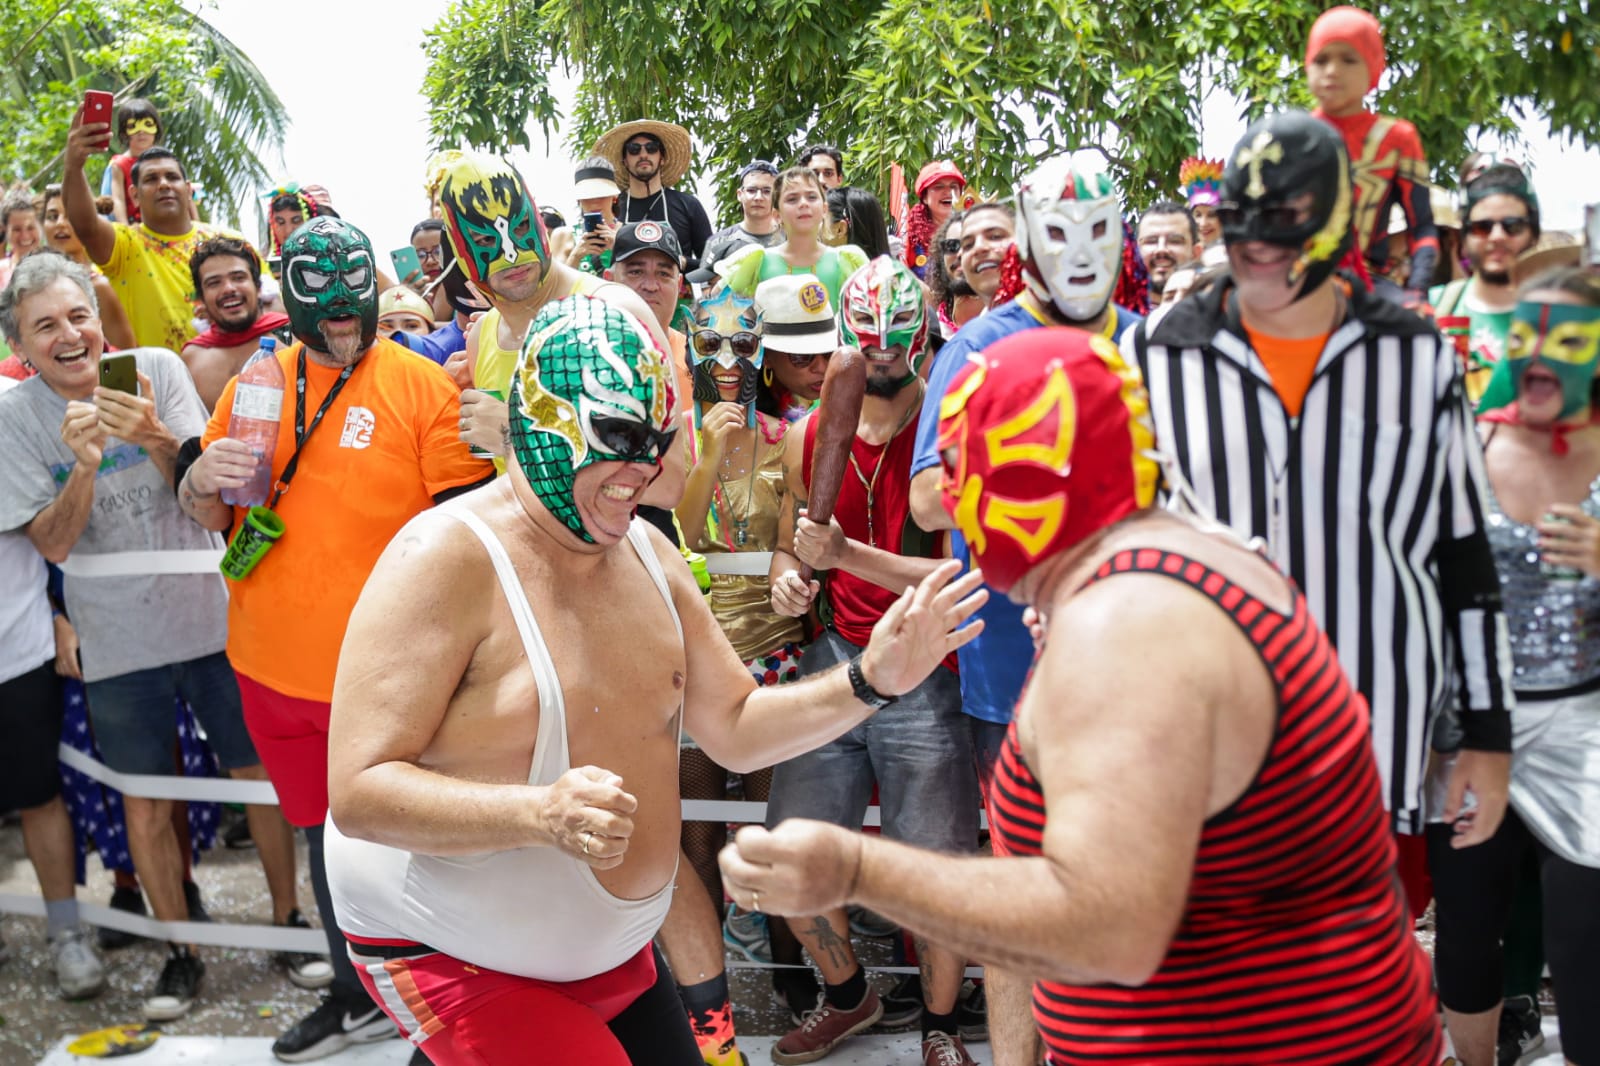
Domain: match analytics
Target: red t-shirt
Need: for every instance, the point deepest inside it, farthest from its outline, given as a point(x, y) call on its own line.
point(859, 603)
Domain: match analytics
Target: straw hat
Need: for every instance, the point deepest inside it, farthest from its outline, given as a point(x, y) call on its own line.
point(1553, 250)
point(674, 139)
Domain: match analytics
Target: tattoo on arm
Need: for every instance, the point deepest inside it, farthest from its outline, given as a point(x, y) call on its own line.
point(836, 946)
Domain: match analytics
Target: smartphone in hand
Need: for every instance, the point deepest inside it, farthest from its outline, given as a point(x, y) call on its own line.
point(97, 107)
point(119, 372)
point(406, 262)
point(593, 220)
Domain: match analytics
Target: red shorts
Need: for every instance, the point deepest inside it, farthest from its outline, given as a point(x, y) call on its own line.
point(291, 736)
point(468, 1016)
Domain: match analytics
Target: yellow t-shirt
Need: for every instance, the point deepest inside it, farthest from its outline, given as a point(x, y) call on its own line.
point(150, 273)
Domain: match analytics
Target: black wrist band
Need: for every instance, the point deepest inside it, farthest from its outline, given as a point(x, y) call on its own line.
point(864, 691)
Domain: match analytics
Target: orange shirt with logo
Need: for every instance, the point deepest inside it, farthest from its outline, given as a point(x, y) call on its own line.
point(388, 443)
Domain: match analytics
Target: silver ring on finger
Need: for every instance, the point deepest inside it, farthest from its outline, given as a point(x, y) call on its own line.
point(755, 901)
point(588, 836)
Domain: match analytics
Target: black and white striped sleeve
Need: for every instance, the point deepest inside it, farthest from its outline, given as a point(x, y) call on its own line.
point(1468, 585)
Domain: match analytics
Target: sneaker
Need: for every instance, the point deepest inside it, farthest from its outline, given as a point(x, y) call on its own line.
point(797, 992)
point(129, 901)
point(197, 907)
point(902, 1004)
point(304, 969)
point(825, 1028)
point(1521, 1032)
point(79, 970)
point(942, 1049)
point(864, 923)
point(331, 1028)
point(746, 933)
point(176, 988)
point(972, 1016)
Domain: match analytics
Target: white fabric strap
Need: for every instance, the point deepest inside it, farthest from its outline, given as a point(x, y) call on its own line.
point(156, 786)
point(741, 564)
point(143, 563)
point(550, 745)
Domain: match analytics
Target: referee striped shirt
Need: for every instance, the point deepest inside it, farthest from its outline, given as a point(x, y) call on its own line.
point(1372, 500)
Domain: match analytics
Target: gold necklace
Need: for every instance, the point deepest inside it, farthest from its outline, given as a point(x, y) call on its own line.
point(871, 486)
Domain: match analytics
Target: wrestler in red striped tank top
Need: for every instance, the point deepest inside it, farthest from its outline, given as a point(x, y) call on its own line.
point(1294, 945)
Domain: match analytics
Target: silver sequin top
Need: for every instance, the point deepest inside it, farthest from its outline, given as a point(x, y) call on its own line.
point(1554, 623)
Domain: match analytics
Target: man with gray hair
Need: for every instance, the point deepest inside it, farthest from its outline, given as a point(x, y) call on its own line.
point(89, 473)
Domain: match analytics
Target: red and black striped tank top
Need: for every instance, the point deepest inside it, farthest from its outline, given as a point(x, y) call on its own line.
point(1295, 945)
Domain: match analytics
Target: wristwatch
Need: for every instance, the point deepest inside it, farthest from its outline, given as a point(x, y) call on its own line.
point(863, 691)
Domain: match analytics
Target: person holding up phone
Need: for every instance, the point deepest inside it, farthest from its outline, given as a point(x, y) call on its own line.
point(597, 201)
point(147, 264)
point(89, 472)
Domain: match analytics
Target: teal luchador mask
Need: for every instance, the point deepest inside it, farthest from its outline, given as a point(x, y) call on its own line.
point(328, 273)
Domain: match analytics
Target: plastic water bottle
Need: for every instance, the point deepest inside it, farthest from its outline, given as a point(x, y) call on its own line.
point(257, 406)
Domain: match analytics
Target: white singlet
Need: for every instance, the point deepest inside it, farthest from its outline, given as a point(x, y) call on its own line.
point(535, 912)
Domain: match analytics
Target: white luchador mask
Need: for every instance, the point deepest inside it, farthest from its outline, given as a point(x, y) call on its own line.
point(1069, 234)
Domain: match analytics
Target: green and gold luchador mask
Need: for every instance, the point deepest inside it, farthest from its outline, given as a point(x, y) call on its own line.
point(591, 387)
point(491, 217)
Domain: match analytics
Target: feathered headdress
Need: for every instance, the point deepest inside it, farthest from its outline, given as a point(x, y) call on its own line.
point(1200, 181)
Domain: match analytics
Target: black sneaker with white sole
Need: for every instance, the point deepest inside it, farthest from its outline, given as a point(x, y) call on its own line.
point(332, 1027)
point(176, 988)
point(1521, 1033)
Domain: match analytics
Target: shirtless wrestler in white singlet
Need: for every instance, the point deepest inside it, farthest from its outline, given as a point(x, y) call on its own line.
point(503, 776)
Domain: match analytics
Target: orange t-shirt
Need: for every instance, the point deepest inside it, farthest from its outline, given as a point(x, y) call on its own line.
point(1290, 362)
point(387, 444)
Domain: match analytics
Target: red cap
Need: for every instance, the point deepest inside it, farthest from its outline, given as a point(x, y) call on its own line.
point(938, 170)
point(1354, 27)
point(1052, 441)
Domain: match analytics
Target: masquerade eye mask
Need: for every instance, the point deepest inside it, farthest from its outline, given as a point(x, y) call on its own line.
point(1562, 338)
point(140, 125)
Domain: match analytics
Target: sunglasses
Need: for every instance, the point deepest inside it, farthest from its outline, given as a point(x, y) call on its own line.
point(1515, 226)
point(1273, 216)
point(640, 147)
point(950, 245)
point(630, 441)
point(800, 360)
point(744, 344)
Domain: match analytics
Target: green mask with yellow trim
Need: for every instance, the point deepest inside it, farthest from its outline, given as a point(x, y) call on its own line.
point(1565, 338)
point(591, 387)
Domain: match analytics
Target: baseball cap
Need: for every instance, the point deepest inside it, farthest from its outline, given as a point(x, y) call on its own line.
point(646, 236)
point(796, 315)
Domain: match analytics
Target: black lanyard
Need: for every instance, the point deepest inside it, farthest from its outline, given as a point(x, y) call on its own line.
point(302, 432)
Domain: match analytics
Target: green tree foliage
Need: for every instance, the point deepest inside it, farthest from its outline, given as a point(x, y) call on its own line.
point(218, 111)
point(993, 84)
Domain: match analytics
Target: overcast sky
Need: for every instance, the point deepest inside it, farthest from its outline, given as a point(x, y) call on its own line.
point(351, 74)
